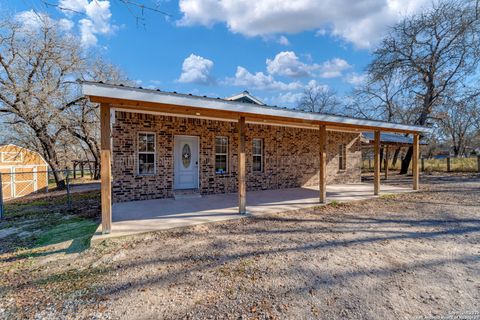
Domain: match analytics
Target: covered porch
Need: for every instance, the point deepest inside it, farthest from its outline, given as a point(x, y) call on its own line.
point(168, 212)
point(138, 217)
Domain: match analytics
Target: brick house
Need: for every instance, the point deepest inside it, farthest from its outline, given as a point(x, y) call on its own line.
point(162, 144)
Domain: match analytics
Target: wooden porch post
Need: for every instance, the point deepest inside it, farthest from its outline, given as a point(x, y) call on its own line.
point(323, 164)
point(106, 169)
point(416, 155)
point(385, 160)
point(376, 164)
point(242, 185)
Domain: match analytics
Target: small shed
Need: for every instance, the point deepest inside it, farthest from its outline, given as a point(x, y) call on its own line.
point(23, 171)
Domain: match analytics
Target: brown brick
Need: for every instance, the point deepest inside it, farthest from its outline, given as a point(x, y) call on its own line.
point(291, 156)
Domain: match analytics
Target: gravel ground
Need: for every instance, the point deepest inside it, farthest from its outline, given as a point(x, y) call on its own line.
point(397, 257)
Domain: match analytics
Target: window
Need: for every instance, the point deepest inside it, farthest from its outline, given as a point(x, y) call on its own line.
point(146, 153)
point(342, 156)
point(257, 155)
point(221, 154)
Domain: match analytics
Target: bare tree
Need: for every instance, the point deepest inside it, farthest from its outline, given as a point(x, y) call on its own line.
point(36, 70)
point(136, 9)
point(434, 51)
point(457, 121)
point(320, 99)
point(83, 117)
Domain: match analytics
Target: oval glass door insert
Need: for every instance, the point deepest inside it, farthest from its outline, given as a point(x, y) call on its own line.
point(186, 155)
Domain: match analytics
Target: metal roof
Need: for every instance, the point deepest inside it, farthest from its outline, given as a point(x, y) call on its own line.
point(392, 138)
point(99, 89)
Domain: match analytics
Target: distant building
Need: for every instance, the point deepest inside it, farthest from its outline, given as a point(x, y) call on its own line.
point(23, 171)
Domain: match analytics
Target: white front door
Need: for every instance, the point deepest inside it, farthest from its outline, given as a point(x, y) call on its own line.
point(186, 162)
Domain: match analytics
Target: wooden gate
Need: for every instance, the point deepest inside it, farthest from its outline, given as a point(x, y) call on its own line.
point(24, 181)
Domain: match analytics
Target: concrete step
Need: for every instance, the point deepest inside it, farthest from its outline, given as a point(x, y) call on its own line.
point(186, 194)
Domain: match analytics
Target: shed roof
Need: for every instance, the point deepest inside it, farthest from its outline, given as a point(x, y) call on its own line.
point(390, 138)
point(106, 93)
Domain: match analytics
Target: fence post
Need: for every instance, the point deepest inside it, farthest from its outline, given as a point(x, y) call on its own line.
point(1, 197)
point(423, 164)
point(69, 198)
point(48, 179)
point(448, 164)
point(478, 163)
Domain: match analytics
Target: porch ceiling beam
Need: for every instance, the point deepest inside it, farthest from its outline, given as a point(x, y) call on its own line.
point(234, 115)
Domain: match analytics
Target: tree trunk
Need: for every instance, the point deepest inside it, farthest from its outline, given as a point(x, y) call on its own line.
point(428, 101)
point(395, 156)
point(50, 155)
point(406, 161)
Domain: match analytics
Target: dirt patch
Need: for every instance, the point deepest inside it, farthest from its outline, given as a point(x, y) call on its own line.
point(396, 257)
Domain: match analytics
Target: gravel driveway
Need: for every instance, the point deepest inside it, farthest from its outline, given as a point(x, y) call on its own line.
point(403, 257)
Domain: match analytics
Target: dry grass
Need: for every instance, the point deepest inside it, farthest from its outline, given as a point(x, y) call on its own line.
point(435, 165)
point(396, 257)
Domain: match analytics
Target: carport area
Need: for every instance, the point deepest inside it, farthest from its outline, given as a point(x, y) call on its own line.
point(137, 217)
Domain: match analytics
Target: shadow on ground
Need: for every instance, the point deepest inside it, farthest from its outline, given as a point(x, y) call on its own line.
point(33, 227)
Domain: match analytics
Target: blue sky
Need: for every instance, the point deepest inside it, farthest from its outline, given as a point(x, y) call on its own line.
point(272, 48)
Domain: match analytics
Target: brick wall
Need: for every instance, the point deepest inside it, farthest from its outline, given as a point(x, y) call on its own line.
point(291, 156)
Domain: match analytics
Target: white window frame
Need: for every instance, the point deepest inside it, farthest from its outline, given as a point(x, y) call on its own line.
point(258, 154)
point(154, 152)
point(342, 154)
point(221, 154)
point(11, 152)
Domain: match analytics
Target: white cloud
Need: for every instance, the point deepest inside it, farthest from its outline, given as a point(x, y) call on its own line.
point(72, 6)
point(359, 22)
point(283, 41)
point(66, 24)
point(288, 98)
point(286, 63)
point(356, 79)
point(292, 98)
point(32, 20)
point(260, 80)
point(196, 69)
point(333, 68)
point(317, 87)
point(96, 18)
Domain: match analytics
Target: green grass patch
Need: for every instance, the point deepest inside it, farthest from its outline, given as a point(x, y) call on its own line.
point(336, 204)
point(45, 221)
point(78, 229)
point(389, 196)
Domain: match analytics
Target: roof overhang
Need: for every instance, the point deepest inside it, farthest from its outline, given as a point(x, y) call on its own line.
point(130, 98)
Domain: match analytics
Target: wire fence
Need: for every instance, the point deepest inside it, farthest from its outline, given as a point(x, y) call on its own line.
point(22, 185)
point(444, 164)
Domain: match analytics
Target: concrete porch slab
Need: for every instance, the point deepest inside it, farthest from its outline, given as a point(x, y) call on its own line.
point(137, 217)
